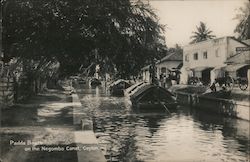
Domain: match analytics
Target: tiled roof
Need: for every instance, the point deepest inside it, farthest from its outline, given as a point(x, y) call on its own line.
point(242, 57)
point(242, 42)
point(172, 57)
point(247, 41)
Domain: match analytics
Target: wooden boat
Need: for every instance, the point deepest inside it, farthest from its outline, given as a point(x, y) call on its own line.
point(224, 94)
point(117, 88)
point(145, 95)
point(132, 89)
point(95, 82)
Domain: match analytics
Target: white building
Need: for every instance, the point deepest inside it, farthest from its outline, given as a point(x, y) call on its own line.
point(239, 65)
point(205, 59)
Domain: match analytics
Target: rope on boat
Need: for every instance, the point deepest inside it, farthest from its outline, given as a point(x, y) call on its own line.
point(162, 104)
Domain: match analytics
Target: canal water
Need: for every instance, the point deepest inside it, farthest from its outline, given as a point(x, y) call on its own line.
point(185, 134)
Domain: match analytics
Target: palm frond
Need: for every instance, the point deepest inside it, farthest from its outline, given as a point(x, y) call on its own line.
point(202, 33)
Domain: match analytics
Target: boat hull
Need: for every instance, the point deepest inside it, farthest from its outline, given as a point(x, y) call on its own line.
point(150, 105)
point(153, 97)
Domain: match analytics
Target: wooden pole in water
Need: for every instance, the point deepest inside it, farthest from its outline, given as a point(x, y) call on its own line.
point(163, 105)
point(166, 108)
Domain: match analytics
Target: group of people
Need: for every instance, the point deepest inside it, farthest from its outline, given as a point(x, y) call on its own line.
point(165, 80)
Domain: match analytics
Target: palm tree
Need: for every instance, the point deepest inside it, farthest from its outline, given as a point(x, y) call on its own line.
point(244, 22)
point(203, 33)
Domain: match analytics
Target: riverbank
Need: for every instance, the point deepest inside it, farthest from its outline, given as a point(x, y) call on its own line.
point(43, 129)
point(84, 135)
point(234, 103)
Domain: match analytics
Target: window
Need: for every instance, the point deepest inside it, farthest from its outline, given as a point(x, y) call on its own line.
point(217, 54)
point(196, 56)
point(187, 58)
point(205, 55)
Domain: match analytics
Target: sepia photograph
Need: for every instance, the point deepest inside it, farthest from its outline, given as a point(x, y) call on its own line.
point(125, 81)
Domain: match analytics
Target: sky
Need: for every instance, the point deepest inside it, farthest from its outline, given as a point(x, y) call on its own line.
point(182, 16)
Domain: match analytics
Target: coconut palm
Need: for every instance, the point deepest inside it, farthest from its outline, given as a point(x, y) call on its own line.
point(203, 33)
point(243, 26)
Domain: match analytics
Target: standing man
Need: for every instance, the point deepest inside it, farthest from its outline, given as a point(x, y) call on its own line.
point(152, 72)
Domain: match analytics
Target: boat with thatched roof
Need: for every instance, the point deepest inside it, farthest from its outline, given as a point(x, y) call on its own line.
point(95, 82)
point(117, 88)
point(146, 95)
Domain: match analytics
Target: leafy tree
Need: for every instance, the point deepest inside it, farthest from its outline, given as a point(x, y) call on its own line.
point(203, 33)
point(176, 49)
point(112, 33)
point(243, 26)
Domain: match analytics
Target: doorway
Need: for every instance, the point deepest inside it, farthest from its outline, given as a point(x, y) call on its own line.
point(205, 76)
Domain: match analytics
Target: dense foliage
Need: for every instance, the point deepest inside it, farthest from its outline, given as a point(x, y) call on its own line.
point(117, 34)
point(243, 27)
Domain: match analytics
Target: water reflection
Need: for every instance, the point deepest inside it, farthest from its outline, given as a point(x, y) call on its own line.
point(235, 133)
point(126, 134)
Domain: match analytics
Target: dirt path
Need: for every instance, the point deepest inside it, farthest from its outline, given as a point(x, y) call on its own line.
point(46, 120)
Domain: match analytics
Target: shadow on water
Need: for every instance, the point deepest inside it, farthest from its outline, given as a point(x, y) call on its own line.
point(153, 123)
point(118, 131)
point(230, 128)
point(128, 134)
point(119, 135)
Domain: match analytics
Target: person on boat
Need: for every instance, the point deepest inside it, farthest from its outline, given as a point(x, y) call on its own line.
point(178, 76)
point(164, 80)
point(161, 79)
point(168, 81)
point(152, 74)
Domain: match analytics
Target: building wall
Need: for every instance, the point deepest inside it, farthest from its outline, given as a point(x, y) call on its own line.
point(145, 75)
point(232, 44)
point(218, 51)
